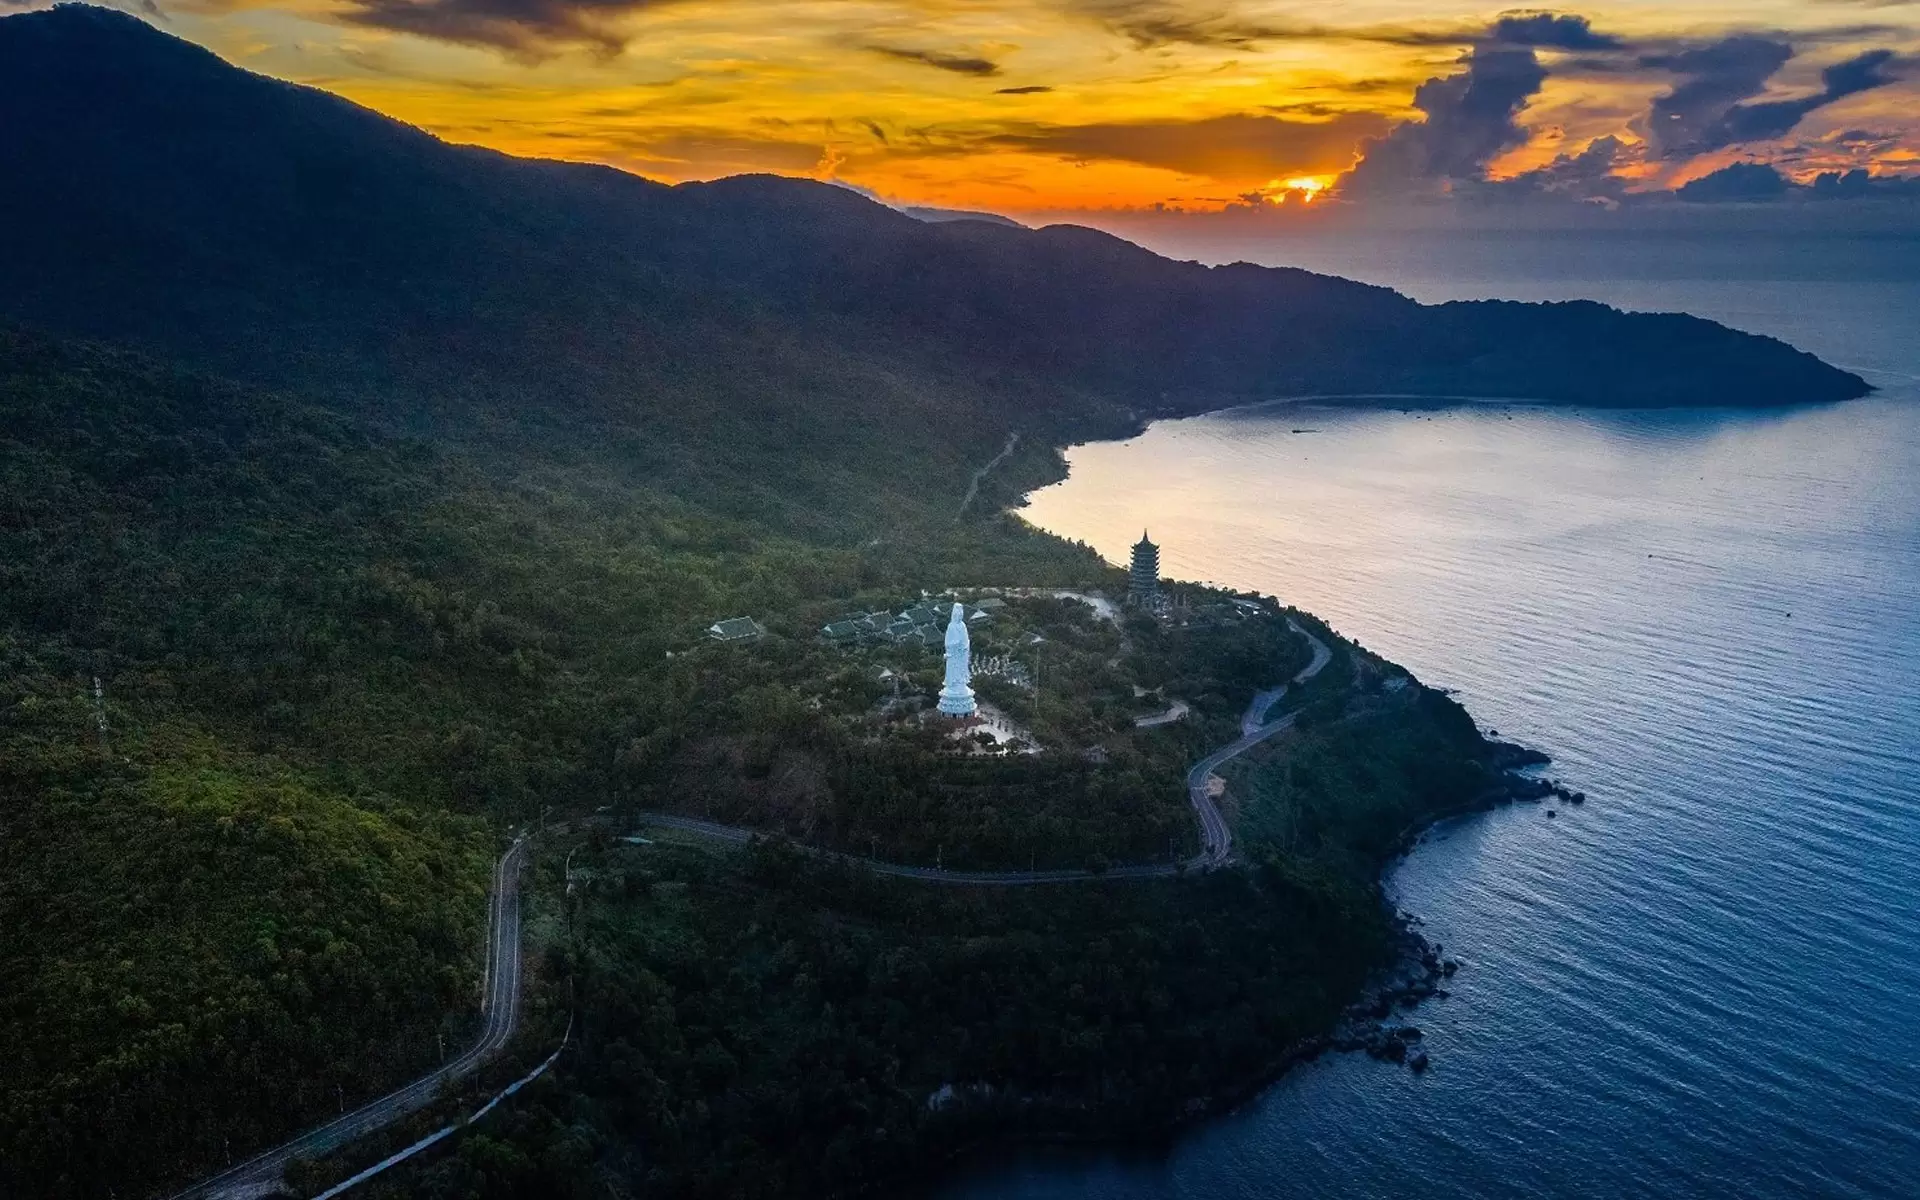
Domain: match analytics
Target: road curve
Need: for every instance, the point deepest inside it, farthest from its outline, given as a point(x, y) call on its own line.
point(1216, 836)
point(261, 1175)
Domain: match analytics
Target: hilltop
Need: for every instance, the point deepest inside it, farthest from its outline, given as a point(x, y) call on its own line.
point(279, 234)
point(364, 497)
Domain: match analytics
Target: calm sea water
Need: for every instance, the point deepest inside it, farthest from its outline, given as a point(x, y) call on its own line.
point(1703, 983)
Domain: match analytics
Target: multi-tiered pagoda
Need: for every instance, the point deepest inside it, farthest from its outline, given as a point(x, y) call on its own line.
point(1143, 578)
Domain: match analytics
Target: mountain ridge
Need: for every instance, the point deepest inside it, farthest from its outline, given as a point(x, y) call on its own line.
point(367, 496)
point(283, 235)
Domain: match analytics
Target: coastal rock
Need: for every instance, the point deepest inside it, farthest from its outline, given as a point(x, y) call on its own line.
point(1519, 787)
point(1507, 755)
point(1448, 967)
point(1387, 1048)
point(1419, 1062)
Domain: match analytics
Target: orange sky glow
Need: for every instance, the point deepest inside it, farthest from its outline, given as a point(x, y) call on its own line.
point(1073, 105)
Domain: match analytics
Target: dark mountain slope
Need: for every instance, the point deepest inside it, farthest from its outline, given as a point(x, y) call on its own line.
point(337, 660)
point(159, 196)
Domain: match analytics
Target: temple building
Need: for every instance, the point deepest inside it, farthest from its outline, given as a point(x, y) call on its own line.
point(1143, 577)
point(956, 698)
point(735, 629)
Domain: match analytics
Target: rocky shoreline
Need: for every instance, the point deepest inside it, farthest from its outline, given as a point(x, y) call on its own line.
point(1374, 1023)
point(1377, 1022)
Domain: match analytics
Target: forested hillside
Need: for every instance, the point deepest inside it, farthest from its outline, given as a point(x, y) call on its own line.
point(335, 665)
point(387, 489)
point(708, 337)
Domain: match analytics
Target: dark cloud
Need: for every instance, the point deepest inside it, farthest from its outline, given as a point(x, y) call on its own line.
point(1149, 23)
point(1549, 31)
point(1030, 89)
point(1469, 120)
point(1712, 107)
point(959, 64)
point(1753, 182)
point(524, 28)
point(1243, 146)
point(1586, 176)
point(1168, 22)
point(1866, 139)
point(1833, 185)
point(1776, 118)
point(1739, 182)
point(1715, 78)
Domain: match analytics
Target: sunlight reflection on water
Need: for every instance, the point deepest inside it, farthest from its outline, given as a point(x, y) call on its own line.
point(1696, 985)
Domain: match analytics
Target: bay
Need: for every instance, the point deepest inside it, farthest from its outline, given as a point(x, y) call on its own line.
point(1702, 982)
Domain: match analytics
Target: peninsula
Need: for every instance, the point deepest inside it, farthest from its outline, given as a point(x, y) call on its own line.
point(372, 502)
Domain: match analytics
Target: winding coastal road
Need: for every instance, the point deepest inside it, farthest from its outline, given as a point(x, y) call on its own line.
point(261, 1175)
point(1216, 836)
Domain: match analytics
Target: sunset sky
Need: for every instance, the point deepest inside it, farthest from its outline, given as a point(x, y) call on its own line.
point(1064, 105)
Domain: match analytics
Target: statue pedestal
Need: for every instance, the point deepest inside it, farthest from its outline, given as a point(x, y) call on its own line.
point(956, 700)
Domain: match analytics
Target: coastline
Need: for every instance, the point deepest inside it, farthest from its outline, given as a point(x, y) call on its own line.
point(1441, 401)
point(1369, 1023)
point(1372, 1019)
point(1375, 1018)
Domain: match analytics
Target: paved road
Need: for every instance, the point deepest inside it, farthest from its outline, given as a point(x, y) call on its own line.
point(1175, 711)
point(1216, 837)
point(1257, 709)
point(973, 486)
point(261, 1174)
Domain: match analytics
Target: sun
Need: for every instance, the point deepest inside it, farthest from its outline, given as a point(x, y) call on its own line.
point(1307, 187)
point(1303, 189)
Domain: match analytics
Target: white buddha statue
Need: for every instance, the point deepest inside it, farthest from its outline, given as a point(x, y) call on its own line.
point(956, 698)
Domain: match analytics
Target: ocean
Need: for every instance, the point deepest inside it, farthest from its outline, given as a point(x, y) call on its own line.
point(1703, 982)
